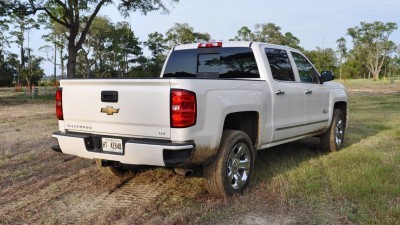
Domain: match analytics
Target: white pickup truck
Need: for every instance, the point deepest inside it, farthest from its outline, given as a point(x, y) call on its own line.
point(213, 107)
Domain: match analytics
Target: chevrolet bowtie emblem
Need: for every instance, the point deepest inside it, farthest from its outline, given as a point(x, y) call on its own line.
point(109, 110)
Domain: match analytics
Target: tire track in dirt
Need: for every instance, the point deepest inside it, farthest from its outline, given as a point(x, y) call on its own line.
point(78, 207)
point(130, 192)
point(63, 203)
point(12, 210)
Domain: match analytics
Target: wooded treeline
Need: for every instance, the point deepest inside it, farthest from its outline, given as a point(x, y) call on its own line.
point(83, 44)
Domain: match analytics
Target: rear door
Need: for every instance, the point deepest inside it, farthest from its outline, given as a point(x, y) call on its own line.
point(132, 108)
point(288, 96)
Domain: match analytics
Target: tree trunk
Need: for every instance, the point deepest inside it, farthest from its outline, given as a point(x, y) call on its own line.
point(71, 63)
point(375, 76)
point(88, 71)
point(62, 62)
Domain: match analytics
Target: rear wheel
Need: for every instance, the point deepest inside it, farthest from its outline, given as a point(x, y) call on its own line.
point(111, 171)
point(332, 139)
point(231, 170)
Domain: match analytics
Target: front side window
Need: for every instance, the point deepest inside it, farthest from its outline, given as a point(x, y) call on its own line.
point(280, 64)
point(307, 72)
point(227, 62)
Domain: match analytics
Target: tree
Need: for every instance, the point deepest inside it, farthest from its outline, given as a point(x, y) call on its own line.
point(182, 33)
point(33, 73)
point(125, 46)
point(7, 74)
point(244, 34)
point(30, 74)
point(6, 7)
point(342, 50)
point(23, 23)
point(323, 59)
point(77, 16)
point(94, 50)
point(109, 50)
point(267, 32)
point(372, 45)
point(158, 46)
point(58, 38)
point(396, 62)
point(4, 39)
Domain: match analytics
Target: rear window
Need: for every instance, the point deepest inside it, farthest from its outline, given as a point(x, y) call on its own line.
point(280, 64)
point(212, 63)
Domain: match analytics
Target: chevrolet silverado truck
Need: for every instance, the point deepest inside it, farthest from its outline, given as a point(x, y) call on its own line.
point(214, 105)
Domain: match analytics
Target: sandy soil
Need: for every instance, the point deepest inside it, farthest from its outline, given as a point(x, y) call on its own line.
point(39, 186)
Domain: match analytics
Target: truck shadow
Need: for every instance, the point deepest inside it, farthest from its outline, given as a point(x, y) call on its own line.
point(279, 159)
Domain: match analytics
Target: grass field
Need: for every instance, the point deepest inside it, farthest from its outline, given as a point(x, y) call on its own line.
point(295, 183)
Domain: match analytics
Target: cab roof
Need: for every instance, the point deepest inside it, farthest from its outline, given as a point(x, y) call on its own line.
point(230, 44)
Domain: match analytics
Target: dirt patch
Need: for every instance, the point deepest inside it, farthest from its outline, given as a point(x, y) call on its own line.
point(262, 219)
point(378, 88)
point(40, 186)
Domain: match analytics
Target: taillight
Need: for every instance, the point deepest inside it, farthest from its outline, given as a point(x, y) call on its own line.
point(183, 108)
point(210, 45)
point(59, 110)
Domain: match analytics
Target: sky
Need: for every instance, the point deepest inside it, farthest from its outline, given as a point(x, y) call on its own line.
point(317, 23)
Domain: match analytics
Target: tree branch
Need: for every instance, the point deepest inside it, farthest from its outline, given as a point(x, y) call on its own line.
point(62, 4)
point(53, 17)
point(65, 24)
point(88, 24)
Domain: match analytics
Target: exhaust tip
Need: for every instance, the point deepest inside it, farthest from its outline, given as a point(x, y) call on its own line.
point(56, 148)
point(183, 172)
point(188, 173)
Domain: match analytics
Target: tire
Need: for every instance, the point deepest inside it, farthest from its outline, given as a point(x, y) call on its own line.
point(332, 139)
point(111, 171)
point(231, 170)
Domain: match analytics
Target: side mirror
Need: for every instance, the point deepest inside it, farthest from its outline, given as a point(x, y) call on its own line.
point(327, 75)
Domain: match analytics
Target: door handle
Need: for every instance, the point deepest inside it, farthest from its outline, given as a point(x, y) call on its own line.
point(280, 92)
point(308, 92)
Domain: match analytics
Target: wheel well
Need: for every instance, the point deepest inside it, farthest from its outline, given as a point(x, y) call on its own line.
point(243, 121)
point(343, 107)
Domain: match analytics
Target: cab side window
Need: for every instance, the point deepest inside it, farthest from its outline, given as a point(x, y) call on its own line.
point(280, 64)
point(307, 72)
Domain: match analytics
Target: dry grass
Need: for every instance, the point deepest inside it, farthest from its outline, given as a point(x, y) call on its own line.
point(292, 184)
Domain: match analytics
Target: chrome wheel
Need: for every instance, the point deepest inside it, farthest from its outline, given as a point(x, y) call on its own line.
point(238, 165)
point(333, 138)
point(339, 131)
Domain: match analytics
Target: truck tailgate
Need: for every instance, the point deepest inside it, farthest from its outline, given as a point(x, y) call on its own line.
point(140, 110)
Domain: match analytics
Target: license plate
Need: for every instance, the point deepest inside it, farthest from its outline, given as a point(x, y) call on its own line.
point(112, 145)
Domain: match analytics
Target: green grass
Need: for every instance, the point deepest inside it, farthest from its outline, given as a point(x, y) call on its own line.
point(360, 183)
point(8, 96)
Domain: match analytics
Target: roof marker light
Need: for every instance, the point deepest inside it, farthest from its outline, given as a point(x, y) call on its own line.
point(210, 45)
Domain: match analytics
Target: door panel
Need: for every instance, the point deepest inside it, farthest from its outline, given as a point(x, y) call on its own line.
point(288, 96)
point(288, 110)
point(316, 110)
point(316, 95)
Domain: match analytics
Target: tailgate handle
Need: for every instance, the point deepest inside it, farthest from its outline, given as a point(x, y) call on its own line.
point(109, 96)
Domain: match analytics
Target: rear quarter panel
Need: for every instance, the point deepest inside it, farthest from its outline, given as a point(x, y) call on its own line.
point(215, 100)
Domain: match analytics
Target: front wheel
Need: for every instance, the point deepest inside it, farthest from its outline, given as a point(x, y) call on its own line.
point(231, 170)
point(332, 139)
